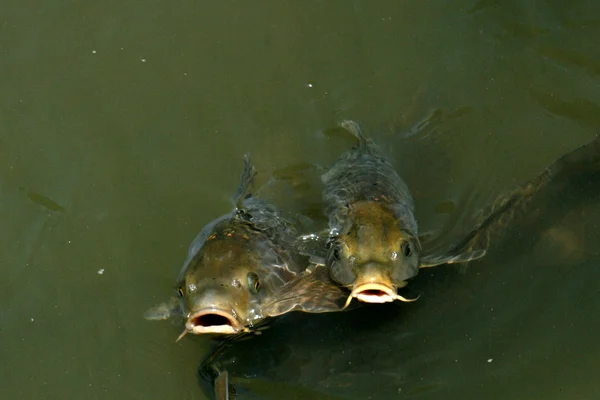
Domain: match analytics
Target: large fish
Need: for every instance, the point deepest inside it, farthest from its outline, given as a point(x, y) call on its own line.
point(242, 268)
point(374, 246)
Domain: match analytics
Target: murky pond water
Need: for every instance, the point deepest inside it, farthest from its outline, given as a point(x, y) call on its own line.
point(122, 130)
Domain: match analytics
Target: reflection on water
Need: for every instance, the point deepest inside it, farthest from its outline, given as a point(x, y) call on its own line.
point(121, 131)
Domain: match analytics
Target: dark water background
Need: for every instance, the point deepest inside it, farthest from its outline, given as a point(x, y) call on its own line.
point(122, 130)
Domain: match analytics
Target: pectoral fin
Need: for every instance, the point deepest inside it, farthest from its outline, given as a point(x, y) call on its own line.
point(435, 260)
point(164, 311)
point(312, 292)
point(313, 245)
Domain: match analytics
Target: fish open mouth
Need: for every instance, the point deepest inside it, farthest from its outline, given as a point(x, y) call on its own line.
point(212, 321)
point(375, 293)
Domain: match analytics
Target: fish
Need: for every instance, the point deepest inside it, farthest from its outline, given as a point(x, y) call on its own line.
point(242, 268)
point(373, 246)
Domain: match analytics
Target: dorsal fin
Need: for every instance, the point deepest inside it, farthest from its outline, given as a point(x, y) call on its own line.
point(246, 183)
point(354, 128)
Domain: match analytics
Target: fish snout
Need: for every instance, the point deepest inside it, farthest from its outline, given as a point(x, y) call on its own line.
point(374, 285)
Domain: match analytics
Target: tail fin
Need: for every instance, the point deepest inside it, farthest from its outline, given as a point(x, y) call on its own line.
point(246, 183)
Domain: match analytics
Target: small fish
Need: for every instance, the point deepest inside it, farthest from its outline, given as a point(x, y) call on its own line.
point(242, 268)
point(374, 247)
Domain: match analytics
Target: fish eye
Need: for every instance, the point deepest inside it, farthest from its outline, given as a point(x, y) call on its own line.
point(180, 292)
point(253, 282)
point(406, 250)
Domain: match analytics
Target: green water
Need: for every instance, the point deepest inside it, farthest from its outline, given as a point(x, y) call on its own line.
point(122, 130)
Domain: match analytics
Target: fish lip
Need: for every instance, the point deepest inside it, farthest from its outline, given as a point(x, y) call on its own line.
point(386, 294)
point(233, 325)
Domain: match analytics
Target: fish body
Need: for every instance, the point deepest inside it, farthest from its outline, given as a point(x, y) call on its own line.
point(235, 265)
point(242, 268)
point(238, 266)
point(374, 246)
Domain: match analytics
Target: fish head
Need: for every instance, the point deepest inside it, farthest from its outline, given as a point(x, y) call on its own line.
point(372, 255)
point(223, 287)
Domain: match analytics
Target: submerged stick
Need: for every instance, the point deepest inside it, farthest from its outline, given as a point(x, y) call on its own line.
point(222, 386)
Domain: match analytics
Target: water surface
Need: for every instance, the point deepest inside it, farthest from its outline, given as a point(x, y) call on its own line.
point(122, 130)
